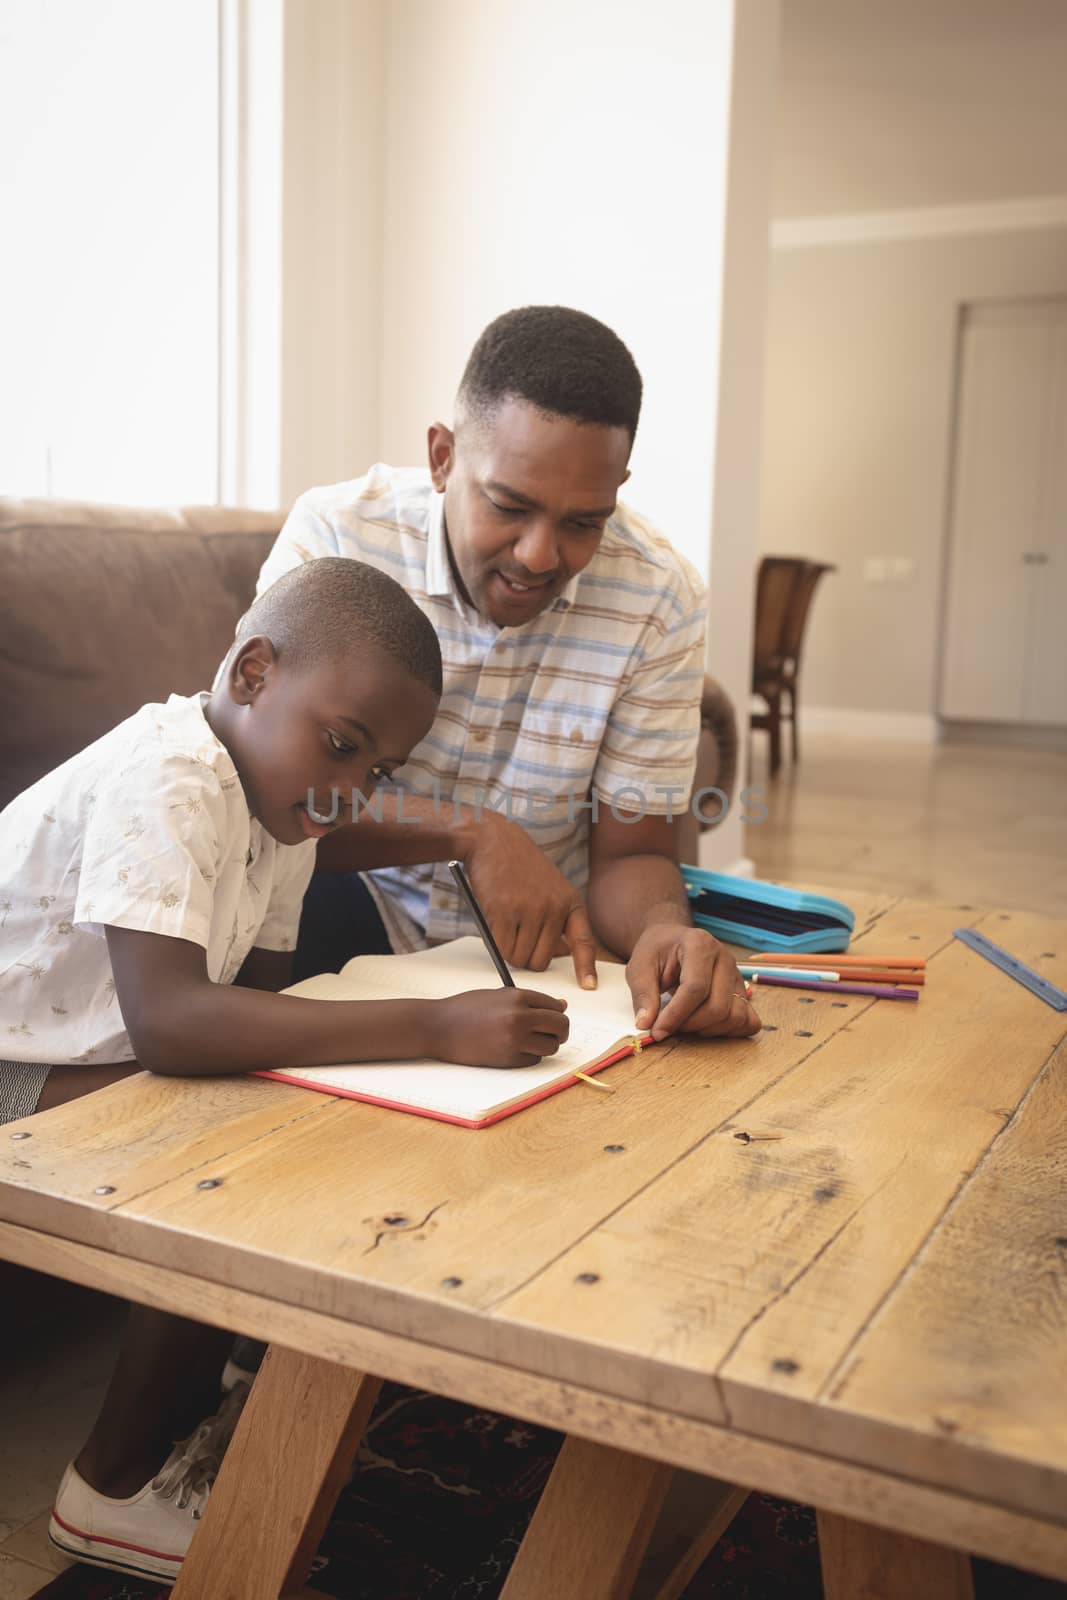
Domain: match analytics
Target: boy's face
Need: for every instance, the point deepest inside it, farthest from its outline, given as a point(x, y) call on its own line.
point(341, 725)
point(526, 500)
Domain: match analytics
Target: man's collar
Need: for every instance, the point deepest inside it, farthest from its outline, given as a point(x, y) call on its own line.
point(440, 578)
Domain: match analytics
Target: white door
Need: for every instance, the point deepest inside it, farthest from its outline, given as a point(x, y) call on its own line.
point(1005, 657)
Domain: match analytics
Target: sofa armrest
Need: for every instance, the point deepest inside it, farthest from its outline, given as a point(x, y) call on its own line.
point(718, 734)
point(716, 768)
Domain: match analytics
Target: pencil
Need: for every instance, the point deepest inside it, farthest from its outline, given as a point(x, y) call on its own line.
point(880, 992)
point(876, 975)
point(872, 974)
point(462, 884)
point(801, 958)
point(749, 969)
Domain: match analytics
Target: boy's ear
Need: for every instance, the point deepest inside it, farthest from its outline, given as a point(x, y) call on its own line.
point(250, 668)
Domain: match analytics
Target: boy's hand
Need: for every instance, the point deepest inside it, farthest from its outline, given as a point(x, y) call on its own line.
point(498, 1028)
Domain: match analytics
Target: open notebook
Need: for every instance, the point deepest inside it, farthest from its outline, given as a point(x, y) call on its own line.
point(602, 1031)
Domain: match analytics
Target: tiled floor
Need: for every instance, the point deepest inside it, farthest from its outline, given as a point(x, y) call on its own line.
point(957, 822)
point(982, 824)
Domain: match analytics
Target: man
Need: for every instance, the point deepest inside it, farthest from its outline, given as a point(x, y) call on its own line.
point(573, 645)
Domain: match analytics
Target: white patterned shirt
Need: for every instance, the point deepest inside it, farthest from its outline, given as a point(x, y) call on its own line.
point(598, 696)
point(147, 829)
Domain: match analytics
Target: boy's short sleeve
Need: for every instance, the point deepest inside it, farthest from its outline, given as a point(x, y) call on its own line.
point(293, 866)
point(154, 842)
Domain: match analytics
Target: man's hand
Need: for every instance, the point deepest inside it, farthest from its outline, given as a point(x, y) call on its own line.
point(709, 992)
point(529, 904)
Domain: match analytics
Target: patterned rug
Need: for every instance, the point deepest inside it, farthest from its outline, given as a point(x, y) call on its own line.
point(442, 1495)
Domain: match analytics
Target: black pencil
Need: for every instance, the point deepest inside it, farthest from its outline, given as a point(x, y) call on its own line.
point(456, 869)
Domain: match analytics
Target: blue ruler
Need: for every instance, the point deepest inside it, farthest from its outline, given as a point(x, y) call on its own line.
point(1014, 968)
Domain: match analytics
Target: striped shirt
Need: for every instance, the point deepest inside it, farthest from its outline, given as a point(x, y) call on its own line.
point(595, 700)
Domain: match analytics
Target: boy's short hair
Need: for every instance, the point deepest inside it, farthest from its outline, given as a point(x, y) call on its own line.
point(564, 362)
point(326, 609)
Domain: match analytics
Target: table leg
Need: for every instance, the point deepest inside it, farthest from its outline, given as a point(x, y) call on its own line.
point(860, 1562)
point(695, 1515)
point(280, 1478)
point(591, 1527)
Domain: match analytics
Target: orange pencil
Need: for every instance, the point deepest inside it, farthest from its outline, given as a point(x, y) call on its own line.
point(836, 962)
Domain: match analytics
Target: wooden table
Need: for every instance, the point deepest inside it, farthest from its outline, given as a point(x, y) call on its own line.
point(867, 1311)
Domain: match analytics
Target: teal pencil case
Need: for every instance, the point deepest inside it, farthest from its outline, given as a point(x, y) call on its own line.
point(764, 916)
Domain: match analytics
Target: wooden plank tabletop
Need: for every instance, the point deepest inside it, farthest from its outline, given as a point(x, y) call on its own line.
point(884, 1283)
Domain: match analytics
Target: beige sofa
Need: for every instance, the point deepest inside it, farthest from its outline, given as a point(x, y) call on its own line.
point(104, 608)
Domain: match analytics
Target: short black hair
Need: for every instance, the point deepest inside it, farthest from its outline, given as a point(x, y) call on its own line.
point(324, 610)
point(564, 362)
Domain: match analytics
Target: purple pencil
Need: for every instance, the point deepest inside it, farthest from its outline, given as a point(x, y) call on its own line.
point(878, 990)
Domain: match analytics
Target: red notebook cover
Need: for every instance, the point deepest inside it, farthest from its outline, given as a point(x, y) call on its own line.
point(542, 1093)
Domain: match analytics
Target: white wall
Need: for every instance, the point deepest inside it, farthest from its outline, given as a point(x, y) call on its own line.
point(740, 378)
point(857, 445)
point(887, 104)
point(302, 158)
point(539, 151)
point(332, 250)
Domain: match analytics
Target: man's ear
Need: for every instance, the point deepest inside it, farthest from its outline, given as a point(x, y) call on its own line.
point(249, 669)
point(441, 446)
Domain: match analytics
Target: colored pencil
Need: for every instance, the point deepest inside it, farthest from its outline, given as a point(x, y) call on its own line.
point(856, 975)
point(774, 959)
point(867, 971)
point(749, 969)
point(850, 974)
point(877, 991)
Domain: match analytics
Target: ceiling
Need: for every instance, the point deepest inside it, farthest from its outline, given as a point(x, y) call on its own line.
point(892, 104)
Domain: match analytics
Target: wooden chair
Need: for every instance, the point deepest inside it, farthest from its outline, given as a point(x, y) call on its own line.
point(785, 588)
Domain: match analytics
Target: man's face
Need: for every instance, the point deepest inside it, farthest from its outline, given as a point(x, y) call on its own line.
point(526, 499)
point(342, 725)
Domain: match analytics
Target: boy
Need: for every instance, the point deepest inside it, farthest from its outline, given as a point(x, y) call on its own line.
point(150, 893)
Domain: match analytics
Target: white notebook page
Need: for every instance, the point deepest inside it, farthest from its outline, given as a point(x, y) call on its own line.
point(599, 1019)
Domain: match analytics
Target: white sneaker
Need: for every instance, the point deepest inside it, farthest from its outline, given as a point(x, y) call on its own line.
point(149, 1532)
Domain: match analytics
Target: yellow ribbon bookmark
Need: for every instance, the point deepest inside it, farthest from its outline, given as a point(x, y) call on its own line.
point(606, 1088)
point(609, 1088)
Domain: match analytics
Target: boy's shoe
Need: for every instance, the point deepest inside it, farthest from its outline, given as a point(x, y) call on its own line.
point(149, 1532)
point(246, 1358)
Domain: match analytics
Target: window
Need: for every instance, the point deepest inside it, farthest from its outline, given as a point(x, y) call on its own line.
point(109, 269)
